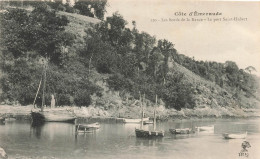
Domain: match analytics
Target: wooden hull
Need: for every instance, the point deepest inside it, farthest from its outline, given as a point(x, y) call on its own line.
point(135, 120)
point(84, 128)
point(2, 121)
point(49, 116)
point(148, 134)
point(234, 136)
point(181, 131)
point(148, 122)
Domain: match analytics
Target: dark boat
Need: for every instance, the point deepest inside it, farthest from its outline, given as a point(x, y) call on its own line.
point(50, 115)
point(53, 116)
point(141, 133)
point(2, 120)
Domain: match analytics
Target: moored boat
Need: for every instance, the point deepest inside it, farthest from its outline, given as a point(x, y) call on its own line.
point(235, 136)
point(53, 115)
point(2, 120)
point(141, 133)
point(148, 134)
point(135, 120)
point(87, 127)
point(148, 122)
point(205, 128)
point(181, 131)
point(49, 115)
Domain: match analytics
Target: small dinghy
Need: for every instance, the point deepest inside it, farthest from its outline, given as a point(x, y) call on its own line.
point(205, 128)
point(148, 122)
point(83, 128)
point(181, 131)
point(234, 136)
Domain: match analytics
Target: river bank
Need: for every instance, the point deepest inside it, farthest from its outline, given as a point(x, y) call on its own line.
point(23, 112)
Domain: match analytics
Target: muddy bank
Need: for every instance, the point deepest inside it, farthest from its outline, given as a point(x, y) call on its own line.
point(101, 114)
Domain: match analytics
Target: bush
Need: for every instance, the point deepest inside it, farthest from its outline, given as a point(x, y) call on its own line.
point(119, 83)
point(82, 98)
point(63, 99)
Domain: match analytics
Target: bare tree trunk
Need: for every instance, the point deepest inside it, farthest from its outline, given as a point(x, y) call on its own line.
point(89, 64)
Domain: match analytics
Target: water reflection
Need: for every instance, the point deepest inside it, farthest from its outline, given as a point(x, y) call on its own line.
point(182, 136)
point(117, 140)
point(148, 142)
point(36, 129)
point(85, 136)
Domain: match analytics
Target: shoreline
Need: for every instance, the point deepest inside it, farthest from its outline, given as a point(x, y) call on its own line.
point(87, 114)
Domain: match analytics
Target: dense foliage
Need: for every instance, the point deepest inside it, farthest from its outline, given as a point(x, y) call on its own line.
point(84, 7)
point(96, 8)
point(134, 61)
point(227, 75)
point(32, 40)
point(138, 64)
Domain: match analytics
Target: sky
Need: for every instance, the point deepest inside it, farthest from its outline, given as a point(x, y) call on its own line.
point(205, 40)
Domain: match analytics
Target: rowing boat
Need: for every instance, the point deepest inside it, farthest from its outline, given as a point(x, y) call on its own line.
point(234, 136)
point(83, 128)
point(181, 131)
point(205, 128)
point(148, 122)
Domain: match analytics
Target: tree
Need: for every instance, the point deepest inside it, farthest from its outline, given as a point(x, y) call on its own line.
point(117, 26)
point(177, 93)
point(47, 31)
point(231, 67)
point(40, 31)
point(250, 69)
point(85, 6)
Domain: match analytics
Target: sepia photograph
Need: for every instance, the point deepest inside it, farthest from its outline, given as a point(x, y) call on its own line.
point(129, 79)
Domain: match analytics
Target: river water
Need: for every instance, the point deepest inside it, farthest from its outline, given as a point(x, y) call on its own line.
point(117, 140)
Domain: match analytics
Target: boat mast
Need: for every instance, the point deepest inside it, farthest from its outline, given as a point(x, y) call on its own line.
point(44, 83)
point(37, 93)
point(154, 115)
point(142, 115)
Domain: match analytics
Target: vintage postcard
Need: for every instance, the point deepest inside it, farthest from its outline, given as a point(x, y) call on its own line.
point(105, 79)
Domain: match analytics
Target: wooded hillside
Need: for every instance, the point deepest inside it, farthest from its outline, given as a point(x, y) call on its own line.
point(82, 52)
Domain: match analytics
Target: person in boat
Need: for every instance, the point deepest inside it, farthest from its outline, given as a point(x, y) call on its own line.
point(52, 101)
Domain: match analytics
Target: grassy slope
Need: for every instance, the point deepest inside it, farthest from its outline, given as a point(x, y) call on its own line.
point(211, 100)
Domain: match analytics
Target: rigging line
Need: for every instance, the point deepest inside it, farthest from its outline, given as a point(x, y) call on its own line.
point(37, 91)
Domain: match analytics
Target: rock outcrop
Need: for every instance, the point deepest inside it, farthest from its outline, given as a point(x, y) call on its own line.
point(3, 154)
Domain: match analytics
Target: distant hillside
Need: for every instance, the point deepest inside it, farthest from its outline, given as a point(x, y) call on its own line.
point(102, 63)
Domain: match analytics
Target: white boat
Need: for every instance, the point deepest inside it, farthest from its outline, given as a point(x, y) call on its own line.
point(135, 120)
point(235, 136)
point(205, 128)
point(148, 122)
point(93, 125)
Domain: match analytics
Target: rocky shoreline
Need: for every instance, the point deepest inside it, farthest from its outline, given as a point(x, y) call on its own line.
point(100, 114)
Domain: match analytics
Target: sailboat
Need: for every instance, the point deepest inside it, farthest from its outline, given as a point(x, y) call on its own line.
point(50, 115)
point(147, 133)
